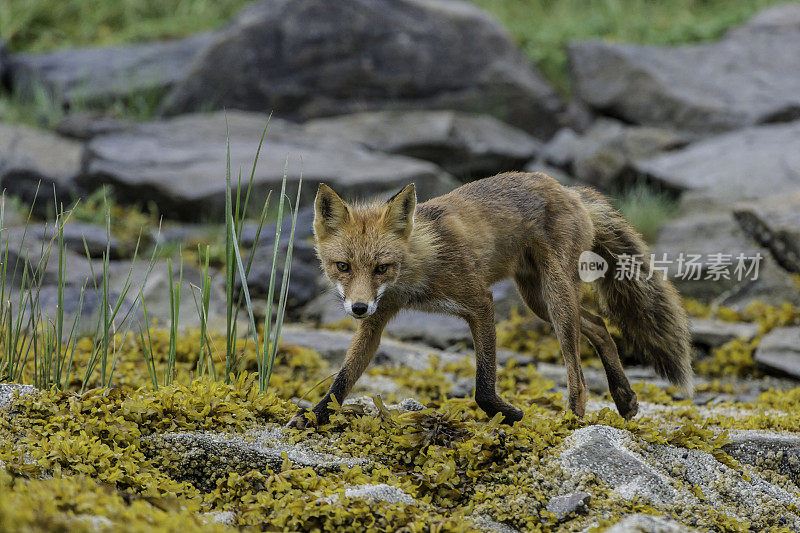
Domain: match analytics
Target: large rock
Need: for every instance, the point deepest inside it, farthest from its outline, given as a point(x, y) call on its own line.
point(32, 158)
point(467, 146)
point(747, 78)
point(779, 452)
point(745, 164)
point(701, 228)
point(779, 351)
point(311, 58)
point(179, 163)
point(603, 154)
point(710, 333)
point(774, 222)
point(666, 476)
point(777, 18)
point(610, 454)
point(100, 76)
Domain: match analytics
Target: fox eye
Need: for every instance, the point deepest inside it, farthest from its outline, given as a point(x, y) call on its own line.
point(381, 269)
point(342, 266)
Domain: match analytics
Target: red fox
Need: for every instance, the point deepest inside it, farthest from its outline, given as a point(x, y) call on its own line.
point(443, 255)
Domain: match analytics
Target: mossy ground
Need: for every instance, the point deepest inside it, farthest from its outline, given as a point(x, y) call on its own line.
point(72, 458)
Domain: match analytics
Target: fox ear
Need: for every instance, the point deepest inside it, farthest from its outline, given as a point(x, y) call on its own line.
point(398, 215)
point(330, 211)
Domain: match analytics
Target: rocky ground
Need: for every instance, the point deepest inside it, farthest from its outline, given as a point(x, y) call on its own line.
point(410, 450)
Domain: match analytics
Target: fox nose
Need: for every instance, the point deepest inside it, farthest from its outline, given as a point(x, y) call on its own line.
point(359, 308)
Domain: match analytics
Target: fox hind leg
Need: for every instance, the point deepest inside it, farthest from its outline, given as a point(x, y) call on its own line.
point(624, 397)
point(554, 298)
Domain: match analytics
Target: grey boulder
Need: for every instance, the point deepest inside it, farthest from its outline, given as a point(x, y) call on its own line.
point(179, 163)
point(745, 79)
point(101, 76)
point(711, 333)
point(779, 351)
point(774, 222)
point(741, 165)
point(604, 153)
point(32, 159)
point(311, 58)
point(467, 146)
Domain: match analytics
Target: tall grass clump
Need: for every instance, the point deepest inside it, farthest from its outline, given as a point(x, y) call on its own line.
point(37, 347)
point(647, 209)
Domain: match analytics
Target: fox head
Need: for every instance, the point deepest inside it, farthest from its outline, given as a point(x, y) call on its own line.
point(363, 249)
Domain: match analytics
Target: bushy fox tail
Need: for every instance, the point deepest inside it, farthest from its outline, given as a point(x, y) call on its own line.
point(648, 311)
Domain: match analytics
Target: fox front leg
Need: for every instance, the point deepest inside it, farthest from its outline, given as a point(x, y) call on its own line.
point(359, 354)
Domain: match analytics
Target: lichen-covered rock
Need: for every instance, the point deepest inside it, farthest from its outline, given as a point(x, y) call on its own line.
point(667, 475)
point(10, 391)
point(563, 505)
point(604, 452)
point(642, 523)
point(767, 450)
point(204, 458)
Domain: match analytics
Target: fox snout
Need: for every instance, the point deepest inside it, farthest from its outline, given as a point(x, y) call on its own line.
point(360, 300)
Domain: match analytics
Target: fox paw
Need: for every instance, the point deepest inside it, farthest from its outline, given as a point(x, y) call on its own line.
point(511, 415)
point(301, 421)
point(626, 403)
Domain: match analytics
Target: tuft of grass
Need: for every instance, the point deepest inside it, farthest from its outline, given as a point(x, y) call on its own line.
point(646, 209)
point(28, 337)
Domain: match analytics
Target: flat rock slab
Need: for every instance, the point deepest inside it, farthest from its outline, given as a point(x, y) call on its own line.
point(180, 163)
point(312, 58)
point(465, 145)
point(100, 76)
point(332, 345)
point(766, 450)
point(774, 222)
point(779, 351)
point(714, 333)
point(31, 158)
point(741, 165)
point(204, 458)
point(747, 78)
